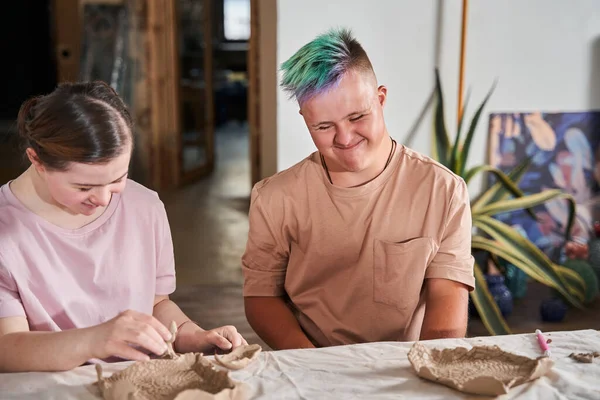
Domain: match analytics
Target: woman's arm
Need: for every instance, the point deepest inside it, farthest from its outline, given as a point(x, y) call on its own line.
point(191, 337)
point(22, 350)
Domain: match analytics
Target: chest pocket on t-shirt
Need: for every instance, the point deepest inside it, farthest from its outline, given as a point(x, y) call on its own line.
point(399, 270)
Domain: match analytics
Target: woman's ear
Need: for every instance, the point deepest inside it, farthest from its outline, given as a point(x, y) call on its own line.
point(35, 161)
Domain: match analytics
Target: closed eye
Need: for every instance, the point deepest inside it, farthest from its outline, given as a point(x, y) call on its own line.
point(323, 128)
point(356, 118)
point(85, 189)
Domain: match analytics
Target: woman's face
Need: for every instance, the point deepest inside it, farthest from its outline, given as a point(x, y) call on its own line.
point(83, 188)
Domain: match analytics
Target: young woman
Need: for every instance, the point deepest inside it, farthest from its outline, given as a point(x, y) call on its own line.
point(86, 257)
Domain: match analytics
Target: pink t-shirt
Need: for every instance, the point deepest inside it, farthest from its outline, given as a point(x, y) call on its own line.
point(63, 279)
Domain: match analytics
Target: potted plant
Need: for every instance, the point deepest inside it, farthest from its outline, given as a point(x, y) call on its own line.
point(494, 237)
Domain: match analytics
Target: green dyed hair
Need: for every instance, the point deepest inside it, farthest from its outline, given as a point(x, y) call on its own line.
point(320, 64)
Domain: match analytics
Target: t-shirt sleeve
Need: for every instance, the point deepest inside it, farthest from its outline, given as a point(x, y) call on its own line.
point(165, 258)
point(265, 260)
point(454, 260)
point(10, 301)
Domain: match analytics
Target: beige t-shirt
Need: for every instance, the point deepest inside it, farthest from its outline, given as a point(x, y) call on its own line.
point(352, 261)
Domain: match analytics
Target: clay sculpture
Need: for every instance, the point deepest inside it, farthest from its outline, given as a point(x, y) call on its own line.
point(170, 380)
point(240, 357)
point(178, 376)
point(483, 370)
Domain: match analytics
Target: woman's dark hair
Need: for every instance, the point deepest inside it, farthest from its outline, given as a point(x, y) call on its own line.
point(83, 122)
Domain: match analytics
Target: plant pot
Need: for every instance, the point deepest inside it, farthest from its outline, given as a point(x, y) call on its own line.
point(516, 281)
point(553, 310)
point(500, 293)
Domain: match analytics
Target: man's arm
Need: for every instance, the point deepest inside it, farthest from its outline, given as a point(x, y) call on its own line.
point(274, 322)
point(446, 309)
point(264, 265)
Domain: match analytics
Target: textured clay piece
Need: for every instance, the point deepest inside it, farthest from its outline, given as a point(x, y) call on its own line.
point(170, 353)
point(240, 357)
point(483, 370)
point(188, 376)
point(586, 358)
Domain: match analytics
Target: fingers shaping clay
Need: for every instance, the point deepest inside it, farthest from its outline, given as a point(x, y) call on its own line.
point(170, 353)
point(177, 377)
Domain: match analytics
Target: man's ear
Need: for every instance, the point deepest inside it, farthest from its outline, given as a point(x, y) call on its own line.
point(382, 95)
point(35, 161)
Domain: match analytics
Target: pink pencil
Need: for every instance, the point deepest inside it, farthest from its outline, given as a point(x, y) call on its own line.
point(542, 342)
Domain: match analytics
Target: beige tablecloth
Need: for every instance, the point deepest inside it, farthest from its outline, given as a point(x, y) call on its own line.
point(365, 371)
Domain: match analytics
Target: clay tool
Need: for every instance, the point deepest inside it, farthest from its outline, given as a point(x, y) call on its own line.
point(542, 342)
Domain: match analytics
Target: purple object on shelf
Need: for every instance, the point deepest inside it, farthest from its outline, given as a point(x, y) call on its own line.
point(500, 293)
point(553, 310)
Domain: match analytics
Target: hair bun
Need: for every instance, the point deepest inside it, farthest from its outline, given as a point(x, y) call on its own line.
point(26, 115)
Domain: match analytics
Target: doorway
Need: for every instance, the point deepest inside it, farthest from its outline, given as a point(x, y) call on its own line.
point(28, 68)
point(189, 75)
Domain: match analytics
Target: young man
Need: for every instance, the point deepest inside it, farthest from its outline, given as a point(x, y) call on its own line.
point(365, 240)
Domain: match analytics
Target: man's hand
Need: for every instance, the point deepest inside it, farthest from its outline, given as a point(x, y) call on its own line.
point(446, 309)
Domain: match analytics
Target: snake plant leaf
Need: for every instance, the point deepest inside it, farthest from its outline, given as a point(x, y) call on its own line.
point(457, 147)
point(574, 282)
point(534, 262)
point(502, 177)
point(462, 161)
point(504, 181)
point(441, 142)
point(529, 201)
point(573, 279)
point(499, 191)
point(486, 306)
point(508, 254)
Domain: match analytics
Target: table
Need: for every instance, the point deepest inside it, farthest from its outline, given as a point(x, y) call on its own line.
point(363, 371)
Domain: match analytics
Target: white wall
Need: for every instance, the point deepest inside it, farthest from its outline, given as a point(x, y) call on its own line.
point(400, 38)
point(545, 54)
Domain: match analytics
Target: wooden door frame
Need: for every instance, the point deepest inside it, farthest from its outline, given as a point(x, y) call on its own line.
point(209, 108)
point(262, 91)
point(67, 38)
point(163, 80)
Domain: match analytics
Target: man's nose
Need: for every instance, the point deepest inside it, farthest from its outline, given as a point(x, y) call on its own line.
point(344, 136)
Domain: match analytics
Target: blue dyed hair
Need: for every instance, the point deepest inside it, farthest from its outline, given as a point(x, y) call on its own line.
point(320, 64)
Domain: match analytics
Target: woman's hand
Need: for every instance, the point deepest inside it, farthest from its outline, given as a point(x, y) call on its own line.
point(224, 338)
point(119, 337)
